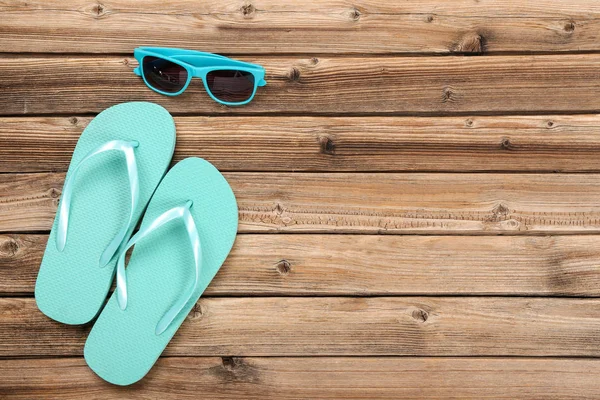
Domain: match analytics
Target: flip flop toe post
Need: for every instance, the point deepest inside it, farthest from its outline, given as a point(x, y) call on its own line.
point(186, 234)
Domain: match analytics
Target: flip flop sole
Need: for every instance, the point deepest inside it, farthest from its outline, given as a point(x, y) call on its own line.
point(71, 286)
point(123, 344)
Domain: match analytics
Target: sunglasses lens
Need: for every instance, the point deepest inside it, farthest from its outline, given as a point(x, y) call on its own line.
point(232, 86)
point(164, 75)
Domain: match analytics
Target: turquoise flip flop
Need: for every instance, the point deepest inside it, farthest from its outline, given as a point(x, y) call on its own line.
point(184, 238)
point(117, 164)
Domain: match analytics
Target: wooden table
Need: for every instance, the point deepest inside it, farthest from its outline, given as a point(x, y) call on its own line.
point(418, 185)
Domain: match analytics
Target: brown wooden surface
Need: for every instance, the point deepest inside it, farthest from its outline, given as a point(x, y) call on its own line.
point(419, 192)
point(547, 143)
point(320, 377)
point(357, 265)
point(326, 326)
point(320, 85)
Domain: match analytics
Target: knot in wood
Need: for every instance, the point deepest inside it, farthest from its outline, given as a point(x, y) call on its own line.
point(294, 75)
point(326, 145)
point(98, 10)
point(420, 315)
point(505, 143)
point(9, 247)
point(196, 312)
point(471, 42)
point(247, 10)
point(569, 27)
point(447, 95)
point(283, 267)
point(229, 362)
point(500, 211)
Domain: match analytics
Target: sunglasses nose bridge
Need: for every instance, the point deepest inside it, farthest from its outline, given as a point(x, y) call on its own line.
point(197, 72)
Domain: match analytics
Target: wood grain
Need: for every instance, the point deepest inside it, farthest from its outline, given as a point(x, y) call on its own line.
point(310, 378)
point(422, 203)
point(309, 27)
point(303, 85)
point(351, 144)
point(441, 214)
point(317, 265)
point(321, 326)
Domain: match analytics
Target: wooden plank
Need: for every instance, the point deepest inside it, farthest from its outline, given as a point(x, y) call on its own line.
point(271, 26)
point(402, 85)
point(311, 378)
point(423, 203)
point(321, 326)
point(352, 144)
point(20, 258)
point(309, 265)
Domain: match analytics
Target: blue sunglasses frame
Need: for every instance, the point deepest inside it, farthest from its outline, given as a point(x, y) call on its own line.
point(198, 64)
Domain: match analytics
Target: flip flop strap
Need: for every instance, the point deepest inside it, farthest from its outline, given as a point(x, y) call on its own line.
point(127, 148)
point(183, 213)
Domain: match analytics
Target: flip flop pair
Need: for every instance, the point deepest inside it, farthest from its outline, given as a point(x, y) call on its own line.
point(187, 230)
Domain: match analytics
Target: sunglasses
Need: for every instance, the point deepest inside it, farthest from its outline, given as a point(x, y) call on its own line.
point(169, 71)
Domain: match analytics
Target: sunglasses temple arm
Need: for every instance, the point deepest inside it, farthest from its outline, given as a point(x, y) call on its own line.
point(137, 71)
